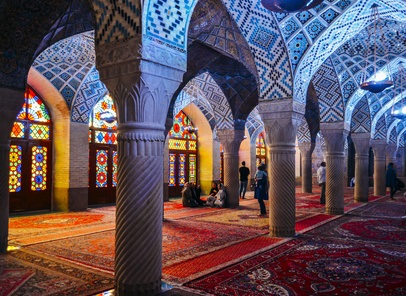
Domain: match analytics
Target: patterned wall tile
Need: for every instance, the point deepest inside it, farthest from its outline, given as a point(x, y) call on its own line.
point(380, 129)
point(90, 92)
point(303, 132)
point(328, 91)
point(314, 29)
point(266, 43)
point(66, 63)
point(361, 120)
point(117, 20)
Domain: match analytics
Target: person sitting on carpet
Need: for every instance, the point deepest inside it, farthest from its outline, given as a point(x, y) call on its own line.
point(219, 199)
point(196, 191)
point(187, 198)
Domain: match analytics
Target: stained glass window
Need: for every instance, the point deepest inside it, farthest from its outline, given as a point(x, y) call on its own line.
point(172, 159)
point(177, 144)
point(181, 127)
point(39, 168)
point(192, 167)
point(182, 169)
point(18, 130)
point(260, 149)
point(33, 109)
point(101, 168)
point(115, 162)
point(105, 137)
point(104, 114)
point(39, 132)
point(15, 168)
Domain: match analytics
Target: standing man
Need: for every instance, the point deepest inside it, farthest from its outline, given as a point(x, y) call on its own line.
point(244, 172)
point(391, 180)
point(321, 178)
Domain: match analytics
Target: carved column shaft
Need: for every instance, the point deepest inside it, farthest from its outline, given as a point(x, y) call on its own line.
point(142, 91)
point(361, 143)
point(306, 149)
point(11, 102)
point(231, 140)
point(281, 119)
point(334, 138)
point(379, 148)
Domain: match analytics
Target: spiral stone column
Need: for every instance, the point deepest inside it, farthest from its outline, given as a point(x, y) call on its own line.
point(11, 102)
point(334, 137)
point(361, 143)
point(281, 119)
point(391, 150)
point(142, 91)
point(379, 148)
point(306, 149)
point(231, 140)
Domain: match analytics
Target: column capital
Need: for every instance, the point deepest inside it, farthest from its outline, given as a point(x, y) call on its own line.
point(361, 143)
point(379, 148)
point(230, 139)
point(334, 135)
point(282, 119)
point(306, 147)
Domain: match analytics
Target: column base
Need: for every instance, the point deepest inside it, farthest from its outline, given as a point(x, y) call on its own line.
point(334, 211)
point(140, 289)
point(276, 231)
point(361, 199)
point(3, 244)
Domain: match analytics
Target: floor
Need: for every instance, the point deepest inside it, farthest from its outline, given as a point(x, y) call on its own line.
point(49, 251)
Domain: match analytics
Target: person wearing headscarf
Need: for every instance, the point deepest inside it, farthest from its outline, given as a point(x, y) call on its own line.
point(391, 180)
point(261, 188)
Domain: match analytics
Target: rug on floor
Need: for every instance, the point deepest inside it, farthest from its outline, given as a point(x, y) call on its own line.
point(27, 273)
point(310, 266)
point(182, 239)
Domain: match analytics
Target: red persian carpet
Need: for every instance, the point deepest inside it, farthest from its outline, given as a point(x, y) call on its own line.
point(312, 266)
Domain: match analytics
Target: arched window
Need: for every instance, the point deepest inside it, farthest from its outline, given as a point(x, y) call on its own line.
point(31, 156)
point(103, 153)
point(182, 154)
point(260, 150)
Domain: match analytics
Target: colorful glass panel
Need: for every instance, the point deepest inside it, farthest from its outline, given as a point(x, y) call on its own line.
point(39, 132)
point(18, 130)
point(104, 114)
point(101, 168)
point(192, 167)
point(39, 165)
point(171, 177)
point(90, 136)
point(192, 145)
point(181, 126)
point(14, 184)
point(101, 137)
point(115, 162)
point(37, 110)
point(177, 144)
point(182, 169)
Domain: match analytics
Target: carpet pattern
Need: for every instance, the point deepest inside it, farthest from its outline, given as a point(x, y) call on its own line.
point(26, 273)
point(46, 227)
point(309, 266)
point(97, 250)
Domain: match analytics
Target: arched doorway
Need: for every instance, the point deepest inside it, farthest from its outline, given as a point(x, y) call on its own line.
point(30, 175)
point(103, 153)
point(260, 150)
point(182, 154)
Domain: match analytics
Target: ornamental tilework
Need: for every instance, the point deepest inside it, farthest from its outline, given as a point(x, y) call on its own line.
point(254, 125)
point(328, 91)
point(62, 63)
point(297, 46)
point(303, 132)
point(217, 100)
point(393, 136)
point(117, 20)
point(361, 120)
point(167, 21)
point(355, 18)
point(91, 91)
point(266, 43)
point(380, 129)
point(314, 29)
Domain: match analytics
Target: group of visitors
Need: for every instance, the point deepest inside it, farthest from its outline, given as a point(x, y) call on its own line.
point(191, 195)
